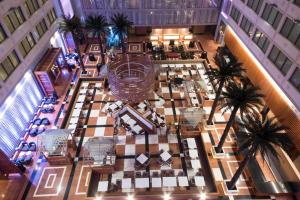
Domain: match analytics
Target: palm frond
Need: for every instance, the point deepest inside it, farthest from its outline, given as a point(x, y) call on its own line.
point(263, 134)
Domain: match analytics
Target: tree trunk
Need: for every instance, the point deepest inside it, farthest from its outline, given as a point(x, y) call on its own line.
point(226, 130)
point(215, 104)
point(101, 50)
point(240, 170)
point(77, 46)
point(122, 43)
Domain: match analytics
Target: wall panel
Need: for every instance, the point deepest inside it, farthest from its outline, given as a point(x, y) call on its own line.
point(273, 98)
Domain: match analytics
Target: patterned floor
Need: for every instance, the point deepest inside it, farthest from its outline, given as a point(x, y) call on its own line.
point(71, 181)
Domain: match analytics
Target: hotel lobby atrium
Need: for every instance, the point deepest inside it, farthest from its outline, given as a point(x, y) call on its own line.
point(149, 99)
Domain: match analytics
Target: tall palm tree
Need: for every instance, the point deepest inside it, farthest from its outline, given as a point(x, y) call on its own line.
point(260, 134)
point(98, 26)
point(74, 26)
point(222, 75)
point(121, 24)
point(241, 96)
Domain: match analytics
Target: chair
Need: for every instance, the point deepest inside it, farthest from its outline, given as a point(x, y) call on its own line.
point(186, 153)
point(145, 174)
point(180, 173)
point(188, 164)
point(155, 174)
point(161, 151)
point(192, 181)
point(138, 174)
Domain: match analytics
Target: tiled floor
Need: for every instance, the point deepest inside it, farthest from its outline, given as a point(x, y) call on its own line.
point(71, 181)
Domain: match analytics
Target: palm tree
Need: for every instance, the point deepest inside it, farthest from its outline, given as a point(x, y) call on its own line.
point(74, 26)
point(260, 134)
point(121, 24)
point(98, 26)
point(241, 96)
point(222, 75)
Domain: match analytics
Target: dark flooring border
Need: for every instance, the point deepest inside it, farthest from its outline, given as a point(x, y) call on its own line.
point(74, 165)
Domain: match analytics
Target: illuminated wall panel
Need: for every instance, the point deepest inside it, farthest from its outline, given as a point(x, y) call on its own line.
point(17, 111)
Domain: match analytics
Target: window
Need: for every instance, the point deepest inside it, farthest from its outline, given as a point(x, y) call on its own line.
point(14, 19)
point(235, 14)
point(291, 31)
point(2, 34)
point(280, 60)
point(31, 6)
point(26, 45)
point(261, 40)
point(51, 16)
point(255, 5)
point(44, 1)
point(8, 65)
point(295, 79)
point(271, 15)
point(246, 25)
point(41, 28)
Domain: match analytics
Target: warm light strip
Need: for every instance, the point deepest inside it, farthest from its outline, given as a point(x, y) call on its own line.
point(263, 70)
point(188, 37)
point(153, 37)
point(171, 37)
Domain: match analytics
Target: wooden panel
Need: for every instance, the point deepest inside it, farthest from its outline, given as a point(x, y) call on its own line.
point(273, 99)
point(6, 166)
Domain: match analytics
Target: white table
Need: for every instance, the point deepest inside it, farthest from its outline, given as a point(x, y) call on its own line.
point(142, 105)
point(142, 183)
point(76, 112)
point(74, 120)
point(195, 102)
point(131, 122)
point(102, 186)
point(196, 164)
point(199, 181)
point(125, 118)
point(126, 183)
point(82, 91)
point(119, 103)
point(142, 158)
point(193, 153)
point(72, 126)
point(156, 182)
point(99, 85)
point(183, 181)
point(113, 106)
point(85, 84)
point(160, 120)
point(169, 181)
point(191, 143)
point(78, 105)
point(81, 98)
point(192, 95)
point(165, 156)
point(137, 129)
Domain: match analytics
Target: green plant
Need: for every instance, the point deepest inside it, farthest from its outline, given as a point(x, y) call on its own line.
point(98, 26)
point(121, 24)
point(239, 96)
point(74, 26)
point(260, 134)
point(222, 75)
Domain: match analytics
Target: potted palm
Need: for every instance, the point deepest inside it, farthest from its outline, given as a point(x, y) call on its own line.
point(74, 26)
point(98, 26)
point(222, 75)
point(241, 96)
point(121, 24)
point(259, 134)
